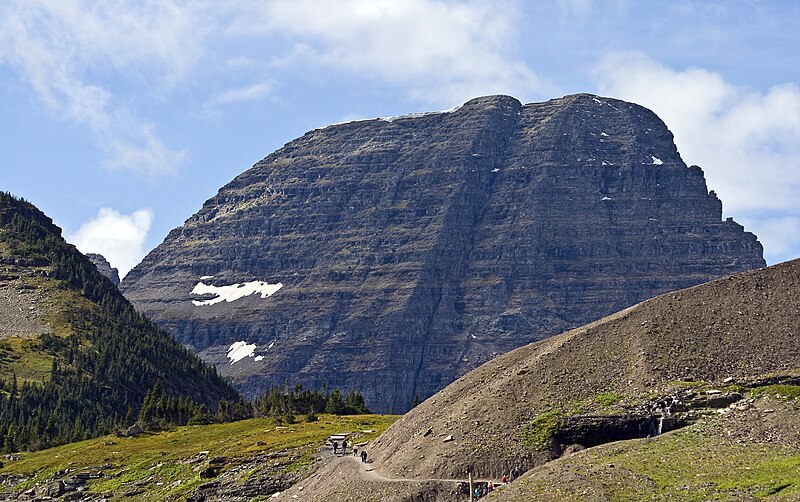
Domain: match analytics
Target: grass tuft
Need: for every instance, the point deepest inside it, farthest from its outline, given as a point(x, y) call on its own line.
point(538, 433)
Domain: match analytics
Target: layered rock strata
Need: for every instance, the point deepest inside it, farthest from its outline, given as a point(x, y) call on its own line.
point(394, 255)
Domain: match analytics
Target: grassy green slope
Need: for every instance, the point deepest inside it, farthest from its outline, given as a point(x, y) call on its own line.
point(166, 465)
point(748, 451)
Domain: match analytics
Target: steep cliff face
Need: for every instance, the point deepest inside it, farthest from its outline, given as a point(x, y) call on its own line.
point(393, 255)
point(104, 267)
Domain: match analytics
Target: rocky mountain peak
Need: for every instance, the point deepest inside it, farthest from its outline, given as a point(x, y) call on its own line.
point(104, 267)
point(393, 255)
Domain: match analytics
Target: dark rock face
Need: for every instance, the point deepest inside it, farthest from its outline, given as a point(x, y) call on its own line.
point(104, 267)
point(414, 249)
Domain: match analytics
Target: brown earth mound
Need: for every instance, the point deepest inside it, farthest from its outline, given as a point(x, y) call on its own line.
point(731, 330)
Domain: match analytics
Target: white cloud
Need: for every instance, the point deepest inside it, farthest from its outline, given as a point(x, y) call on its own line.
point(92, 62)
point(251, 92)
point(62, 48)
point(747, 143)
point(443, 52)
point(243, 94)
point(118, 237)
point(135, 147)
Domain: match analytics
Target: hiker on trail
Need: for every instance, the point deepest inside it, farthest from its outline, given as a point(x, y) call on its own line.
point(505, 479)
point(489, 487)
point(344, 447)
point(363, 456)
point(514, 473)
point(355, 450)
point(335, 446)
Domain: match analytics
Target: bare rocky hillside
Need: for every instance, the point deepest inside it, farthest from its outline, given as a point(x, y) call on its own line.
point(677, 360)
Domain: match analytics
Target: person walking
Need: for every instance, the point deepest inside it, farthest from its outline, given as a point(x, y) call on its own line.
point(363, 456)
point(335, 447)
point(355, 450)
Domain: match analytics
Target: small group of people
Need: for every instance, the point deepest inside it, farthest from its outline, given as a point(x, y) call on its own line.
point(514, 474)
point(363, 453)
point(483, 489)
point(342, 449)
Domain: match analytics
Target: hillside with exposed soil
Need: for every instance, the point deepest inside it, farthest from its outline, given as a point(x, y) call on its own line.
point(719, 362)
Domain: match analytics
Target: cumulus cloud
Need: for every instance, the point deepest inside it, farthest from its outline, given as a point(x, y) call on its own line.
point(748, 143)
point(442, 52)
point(62, 49)
point(118, 237)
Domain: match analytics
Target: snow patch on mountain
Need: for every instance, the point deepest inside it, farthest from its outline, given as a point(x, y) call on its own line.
point(239, 350)
point(233, 292)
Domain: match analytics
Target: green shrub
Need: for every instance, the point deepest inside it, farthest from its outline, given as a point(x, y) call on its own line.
point(608, 398)
point(779, 390)
point(542, 429)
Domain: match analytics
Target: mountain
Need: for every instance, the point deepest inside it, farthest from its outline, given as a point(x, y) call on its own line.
point(76, 359)
point(693, 395)
point(104, 267)
point(393, 255)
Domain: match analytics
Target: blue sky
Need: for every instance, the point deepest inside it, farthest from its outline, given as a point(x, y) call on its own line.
point(120, 118)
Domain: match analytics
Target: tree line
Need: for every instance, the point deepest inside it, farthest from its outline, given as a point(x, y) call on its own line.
point(161, 410)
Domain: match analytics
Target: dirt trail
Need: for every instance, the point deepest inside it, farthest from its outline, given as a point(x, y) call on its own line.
point(370, 473)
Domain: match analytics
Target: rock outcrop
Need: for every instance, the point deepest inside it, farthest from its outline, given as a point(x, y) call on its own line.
point(104, 267)
point(394, 255)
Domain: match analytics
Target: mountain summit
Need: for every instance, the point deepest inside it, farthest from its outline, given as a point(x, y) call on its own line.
point(394, 255)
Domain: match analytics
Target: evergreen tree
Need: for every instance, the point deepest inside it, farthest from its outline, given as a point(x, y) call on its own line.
point(354, 404)
point(200, 416)
point(335, 404)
